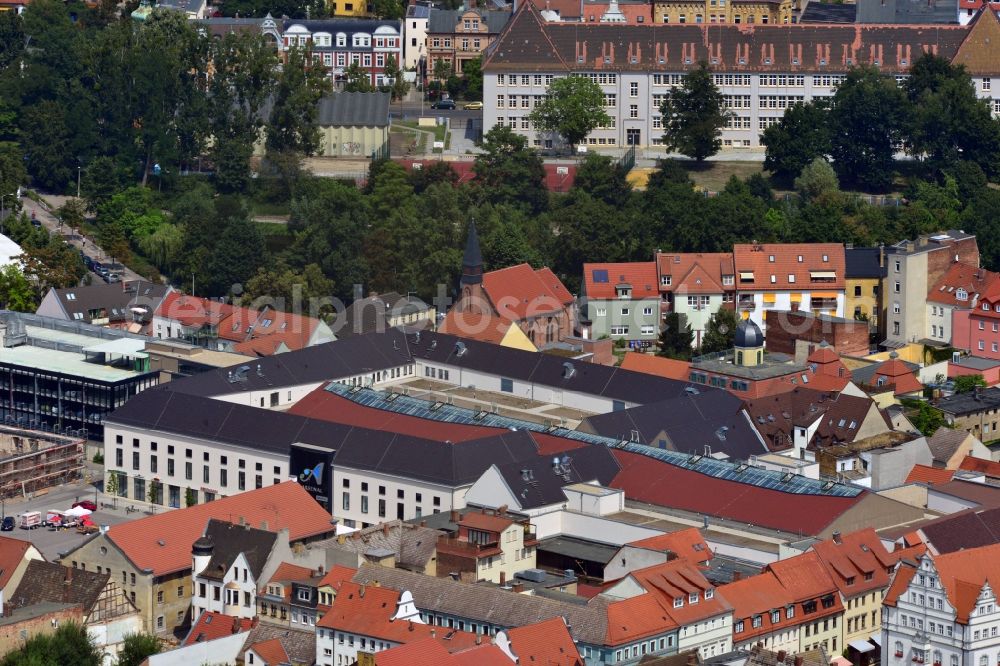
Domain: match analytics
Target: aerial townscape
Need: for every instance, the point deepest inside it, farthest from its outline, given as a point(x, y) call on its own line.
point(499, 333)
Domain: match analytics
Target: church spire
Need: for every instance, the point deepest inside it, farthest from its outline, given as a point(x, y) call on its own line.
point(472, 260)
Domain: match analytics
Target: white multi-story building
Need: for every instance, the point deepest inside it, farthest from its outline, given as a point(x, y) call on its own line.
point(944, 611)
point(761, 70)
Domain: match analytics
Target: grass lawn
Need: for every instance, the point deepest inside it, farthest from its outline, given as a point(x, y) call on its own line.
point(713, 176)
point(438, 130)
point(277, 237)
point(268, 208)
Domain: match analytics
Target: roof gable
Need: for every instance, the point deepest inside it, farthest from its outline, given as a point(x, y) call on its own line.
point(979, 52)
point(524, 42)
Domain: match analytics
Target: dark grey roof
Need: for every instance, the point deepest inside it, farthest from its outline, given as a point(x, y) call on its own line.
point(412, 544)
point(368, 315)
point(908, 12)
point(418, 11)
point(748, 334)
point(944, 443)
point(536, 482)
point(444, 20)
point(229, 540)
point(181, 5)
point(435, 462)
point(864, 375)
point(960, 404)
point(164, 410)
point(581, 549)
point(114, 301)
point(356, 355)
point(977, 362)
point(689, 422)
point(52, 582)
point(861, 262)
point(828, 12)
point(348, 26)
point(967, 529)
point(300, 646)
point(354, 109)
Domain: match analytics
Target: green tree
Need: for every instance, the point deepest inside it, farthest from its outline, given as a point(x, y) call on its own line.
point(442, 69)
point(924, 417)
point(816, 179)
point(16, 293)
point(296, 99)
point(100, 180)
point(284, 287)
point(676, 337)
point(510, 172)
point(796, 140)
point(388, 9)
point(720, 332)
point(357, 79)
point(693, 115)
point(572, 108)
point(399, 87)
point(136, 648)
point(866, 121)
point(236, 257)
point(46, 140)
point(472, 79)
point(947, 121)
point(112, 486)
point(12, 172)
point(11, 38)
point(190, 497)
point(968, 383)
point(164, 246)
point(604, 179)
point(69, 644)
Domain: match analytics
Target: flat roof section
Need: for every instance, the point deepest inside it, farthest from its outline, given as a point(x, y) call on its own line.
point(64, 362)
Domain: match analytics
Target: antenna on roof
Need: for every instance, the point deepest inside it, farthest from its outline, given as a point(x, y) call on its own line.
point(260, 373)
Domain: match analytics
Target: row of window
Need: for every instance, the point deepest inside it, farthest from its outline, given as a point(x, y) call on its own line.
point(340, 40)
point(463, 44)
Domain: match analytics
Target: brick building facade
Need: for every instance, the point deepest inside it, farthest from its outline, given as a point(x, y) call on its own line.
point(785, 329)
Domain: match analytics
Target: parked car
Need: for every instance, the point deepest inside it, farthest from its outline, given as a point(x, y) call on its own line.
point(8, 524)
point(86, 504)
point(88, 262)
point(473, 106)
point(444, 104)
point(112, 278)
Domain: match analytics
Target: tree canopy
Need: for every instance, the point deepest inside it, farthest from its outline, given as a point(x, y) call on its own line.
point(694, 114)
point(572, 108)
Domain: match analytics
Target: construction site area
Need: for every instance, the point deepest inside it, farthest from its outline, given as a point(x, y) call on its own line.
point(33, 461)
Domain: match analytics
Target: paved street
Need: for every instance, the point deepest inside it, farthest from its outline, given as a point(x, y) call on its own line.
point(53, 542)
point(88, 245)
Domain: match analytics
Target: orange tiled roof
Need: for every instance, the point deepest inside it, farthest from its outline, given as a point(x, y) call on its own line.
point(929, 475)
point(336, 576)
point(656, 365)
point(856, 557)
point(272, 652)
point(972, 279)
point(162, 543)
point(475, 326)
point(636, 618)
point(483, 655)
point(520, 292)
point(895, 372)
point(695, 272)
point(192, 311)
point(987, 467)
point(270, 327)
point(688, 544)
point(212, 625)
point(12, 551)
point(756, 259)
point(482, 521)
point(900, 581)
point(547, 642)
point(679, 578)
point(602, 280)
point(758, 595)
point(963, 574)
point(804, 577)
point(287, 571)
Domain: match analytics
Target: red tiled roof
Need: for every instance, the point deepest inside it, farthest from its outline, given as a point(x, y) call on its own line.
point(272, 652)
point(688, 544)
point(290, 572)
point(483, 655)
point(321, 404)
point(567, 9)
point(602, 280)
point(656, 365)
point(987, 467)
point(696, 272)
point(12, 551)
point(963, 574)
point(645, 480)
point(757, 595)
point(162, 543)
point(192, 311)
point(929, 475)
point(755, 259)
point(679, 578)
point(804, 577)
point(520, 292)
point(212, 625)
point(336, 576)
point(547, 642)
point(423, 652)
point(972, 279)
point(635, 13)
point(632, 619)
point(895, 372)
point(854, 558)
point(900, 581)
point(475, 326)
point(484, 522)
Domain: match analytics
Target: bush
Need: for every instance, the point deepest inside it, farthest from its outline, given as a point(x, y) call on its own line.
point(98, 458)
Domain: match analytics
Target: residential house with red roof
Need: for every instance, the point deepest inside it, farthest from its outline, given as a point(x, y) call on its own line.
point(687, 544)
point(861, 567)
point(487, 547)
point(815, 599)
point(952, 300)
point(763, 612)
point(944, 610)
point(794, 276)
point(15, 554)
point(224, 327)
point(929, 475)
point(680, 592)
point(696, 285)
point(621, 301)
point(154, 555)
point(534, 299)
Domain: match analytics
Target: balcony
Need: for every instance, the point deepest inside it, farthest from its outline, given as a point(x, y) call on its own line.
point(464, 548)
point(746, 304)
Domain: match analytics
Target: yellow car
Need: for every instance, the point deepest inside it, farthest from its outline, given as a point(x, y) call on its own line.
point(473, 106)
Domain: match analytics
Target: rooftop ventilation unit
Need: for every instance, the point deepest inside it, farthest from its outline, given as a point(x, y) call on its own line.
point(460, 349)
point(568, 370)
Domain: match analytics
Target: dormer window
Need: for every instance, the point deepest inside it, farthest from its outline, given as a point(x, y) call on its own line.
point(666, 280)
point(709, 593)
point(693, 598)
point(962, 295)
point(678, 602)
point(624, 292)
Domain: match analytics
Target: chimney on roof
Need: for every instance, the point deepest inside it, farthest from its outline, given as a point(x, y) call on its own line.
point(517, 588)
point(798, 661)
point(692, 658)
point(236, 625)
point(502, 511)
point(263, 525)
point(837, 538)
point(479, 639)
point(69, 576)
point(503, 578)
point(361, 592)
point(423, 523)
point(454, 515)
point(385, 529)
point(781, 656)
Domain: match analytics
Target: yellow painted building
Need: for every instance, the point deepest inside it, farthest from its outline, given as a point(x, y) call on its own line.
point(863, 279)
point(723, 11)
point(349, 8)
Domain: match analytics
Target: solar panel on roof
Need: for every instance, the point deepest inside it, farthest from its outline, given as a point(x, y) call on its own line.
point(600, 276)
point(719, 469)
